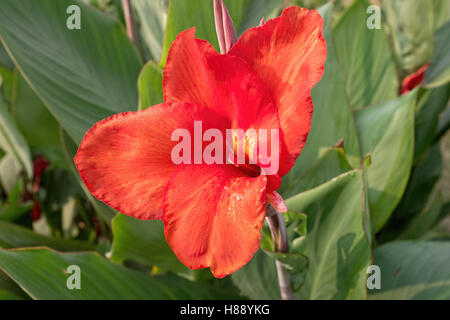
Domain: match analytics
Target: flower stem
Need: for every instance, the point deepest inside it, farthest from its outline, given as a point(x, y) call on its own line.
point(280, 240)
point(130, 23)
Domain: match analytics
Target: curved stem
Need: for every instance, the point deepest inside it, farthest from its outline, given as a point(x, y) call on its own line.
point(277, 227)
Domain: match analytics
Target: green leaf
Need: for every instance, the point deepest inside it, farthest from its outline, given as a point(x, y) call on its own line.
point(429, 106)
point(336, 243)
point(36, 123)
point(15, 236)
point(296, 265)
point(438, 73)
point(100, 279)
point(387, 134)
point(150, 86)
point(152, 16)
point(426, 219)
point(5, 61)
point(8, 285)
point(258, 279)
point(13, 142)
point(413, 270)
point(82, 76)
point(331, 164)
point(369, 69)
point(183, 15)
point(441, 12)
point(424, 176)
point(331, 111)
point(412, 42)
point(143, 242)
point(6, 83)
point(444, 123)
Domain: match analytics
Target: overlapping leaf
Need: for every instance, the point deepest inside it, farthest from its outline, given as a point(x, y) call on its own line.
point(41, 273)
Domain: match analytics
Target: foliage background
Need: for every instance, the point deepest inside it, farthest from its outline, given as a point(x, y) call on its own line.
point(372, 185)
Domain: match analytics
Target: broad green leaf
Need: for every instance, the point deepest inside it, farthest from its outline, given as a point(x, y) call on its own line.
point(152, 17)
point(413, 270)
point(444, 123)
point(6, 83)
point(412, 41)
point(15, 236)
point(331, 111)
point(387, 134)
point(13, 142)
point(143, 242)
point(331, 164)
point(41, 273)
point(426, 219)
point(6, 74)
point(183, 15)
point(336, 243)
point(82, 76)
point(8, 285)
point(296, 265)
point(369, 69)
point(430, 104)
point(439, 232)
point(438, 73)
point(425, 173)
point(150, 86)
point(36, 123)
point(441, 12)
point(5, 61)
point(258, 279)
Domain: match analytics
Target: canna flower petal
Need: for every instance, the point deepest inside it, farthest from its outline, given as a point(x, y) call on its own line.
point(196, 73)
point(214, 220)
point(125, 160)
point(288, 53)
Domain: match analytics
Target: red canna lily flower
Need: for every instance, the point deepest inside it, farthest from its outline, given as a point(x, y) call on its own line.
point(213, 213)
point(414, 80)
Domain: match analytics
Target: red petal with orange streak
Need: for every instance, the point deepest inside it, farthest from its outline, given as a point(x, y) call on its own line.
point(125, 160)
point(288, 53)
point(214, 220)
point(196, 73)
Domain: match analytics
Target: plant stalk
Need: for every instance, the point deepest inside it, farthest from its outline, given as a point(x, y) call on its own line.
point(130, 23)
point(277, 227)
